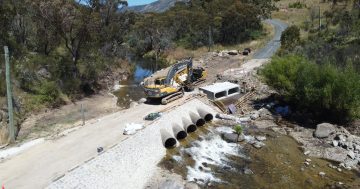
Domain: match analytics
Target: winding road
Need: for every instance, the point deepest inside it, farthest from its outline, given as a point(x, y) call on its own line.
point(270, 49)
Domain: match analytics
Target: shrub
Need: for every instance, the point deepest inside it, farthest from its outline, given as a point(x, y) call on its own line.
point(290, 38)
point(325, 90)
point(297, 5)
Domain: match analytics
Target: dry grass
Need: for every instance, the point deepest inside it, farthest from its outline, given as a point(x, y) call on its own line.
point(298, 17)
point(181, 53)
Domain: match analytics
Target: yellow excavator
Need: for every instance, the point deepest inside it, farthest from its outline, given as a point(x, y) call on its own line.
point(170, 83)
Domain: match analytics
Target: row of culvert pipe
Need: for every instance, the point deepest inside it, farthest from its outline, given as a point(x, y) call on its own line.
point(188, 126)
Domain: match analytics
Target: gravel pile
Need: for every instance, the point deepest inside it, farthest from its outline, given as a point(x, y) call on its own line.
point(131, 163)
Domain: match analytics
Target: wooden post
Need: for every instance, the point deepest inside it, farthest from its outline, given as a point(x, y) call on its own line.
point(82, 114)
point(11, 127)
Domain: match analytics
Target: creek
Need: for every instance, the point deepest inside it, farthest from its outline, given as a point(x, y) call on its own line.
point(130, 89)
point(205, 158)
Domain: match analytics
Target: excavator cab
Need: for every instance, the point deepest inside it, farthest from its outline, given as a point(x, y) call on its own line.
point(160, 81)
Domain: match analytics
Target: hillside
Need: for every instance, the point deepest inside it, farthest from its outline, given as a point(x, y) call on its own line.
point(157, 6)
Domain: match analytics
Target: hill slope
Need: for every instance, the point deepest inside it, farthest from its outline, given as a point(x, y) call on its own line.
point(157, 6)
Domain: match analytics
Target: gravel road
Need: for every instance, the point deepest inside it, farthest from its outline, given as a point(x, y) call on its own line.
point(269, 50)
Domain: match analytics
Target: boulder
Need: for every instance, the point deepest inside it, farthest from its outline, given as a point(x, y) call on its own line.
point(133, 104)
point(335, 143)
point(191, 185)
point(170, 184)
point(142, 100)
point(230, 137)
point(337, 154)
point(241, 138)
point(322, 174)
point(260, 138)
point(351, 154)
point(248, 171)
point(233, 52)
point(323, 130)
point(258, 145)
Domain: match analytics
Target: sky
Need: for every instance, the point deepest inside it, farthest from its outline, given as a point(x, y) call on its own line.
point(139, 2)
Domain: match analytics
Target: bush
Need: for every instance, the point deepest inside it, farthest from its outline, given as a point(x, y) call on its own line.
point(324, 90)
point(48, 93)
point(297, 5)
point(290, 38)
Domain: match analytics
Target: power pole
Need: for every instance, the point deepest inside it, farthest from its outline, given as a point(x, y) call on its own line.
point(319, 18)
point(11, 127)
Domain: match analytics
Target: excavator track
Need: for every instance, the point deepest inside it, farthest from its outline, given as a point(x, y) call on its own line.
point(172, 97)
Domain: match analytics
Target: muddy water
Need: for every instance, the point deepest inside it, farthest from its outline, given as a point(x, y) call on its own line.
point(211, 162)
point(130, 90)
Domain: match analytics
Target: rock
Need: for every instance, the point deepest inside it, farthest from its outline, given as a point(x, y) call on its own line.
point(351, 154)
point(191, 185)
point(241, 137)
point(133, 104)
point(248, 171)
point(357, 147)
point(338, 169)
point(260, 138)
point(142, 100)
point(170, 184)
point(323, 130)
point(307, 153)
point(258, 145)
point(337, 154)
point(233, 52)
point(306, 163)
point(255, 115)
point(230, 137)
point(322, 174)
point(335, 143)
point(265, 114)
point(44, 73)
point(350, 163)
point(308, 160)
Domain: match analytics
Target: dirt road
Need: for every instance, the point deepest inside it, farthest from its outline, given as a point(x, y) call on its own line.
point(39, 166)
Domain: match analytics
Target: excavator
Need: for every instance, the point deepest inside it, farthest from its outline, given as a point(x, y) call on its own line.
point(170, 83)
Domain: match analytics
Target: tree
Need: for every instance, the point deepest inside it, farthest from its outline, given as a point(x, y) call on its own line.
point(290, 38)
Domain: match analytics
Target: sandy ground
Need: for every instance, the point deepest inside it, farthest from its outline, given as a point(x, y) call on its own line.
point(50, 123)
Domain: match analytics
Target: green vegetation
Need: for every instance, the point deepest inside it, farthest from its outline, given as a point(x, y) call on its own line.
point(238, 130)
point(321, 74)
point(297, 5)
point(324, 90)
point(60, 49)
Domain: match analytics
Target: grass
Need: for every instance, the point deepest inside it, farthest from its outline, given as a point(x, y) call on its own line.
point(181, 53)
point(299, 16)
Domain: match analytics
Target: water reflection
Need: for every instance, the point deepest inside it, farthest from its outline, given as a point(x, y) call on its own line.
point(130, 90)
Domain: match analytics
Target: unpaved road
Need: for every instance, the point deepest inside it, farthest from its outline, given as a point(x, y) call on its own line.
point(270, 49)
point(39, 166)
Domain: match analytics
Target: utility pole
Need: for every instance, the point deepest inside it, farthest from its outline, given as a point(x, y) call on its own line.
point(82, 115)
point(319, 18)
point(11, 127)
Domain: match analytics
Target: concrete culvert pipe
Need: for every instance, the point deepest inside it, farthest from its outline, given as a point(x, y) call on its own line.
point(188, 125)
point(195, 118)
point(179, 131)
point(168, 140)
point(207, 116)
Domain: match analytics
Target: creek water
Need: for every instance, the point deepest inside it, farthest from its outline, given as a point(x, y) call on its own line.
point(205, 158)
point(130, 89)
